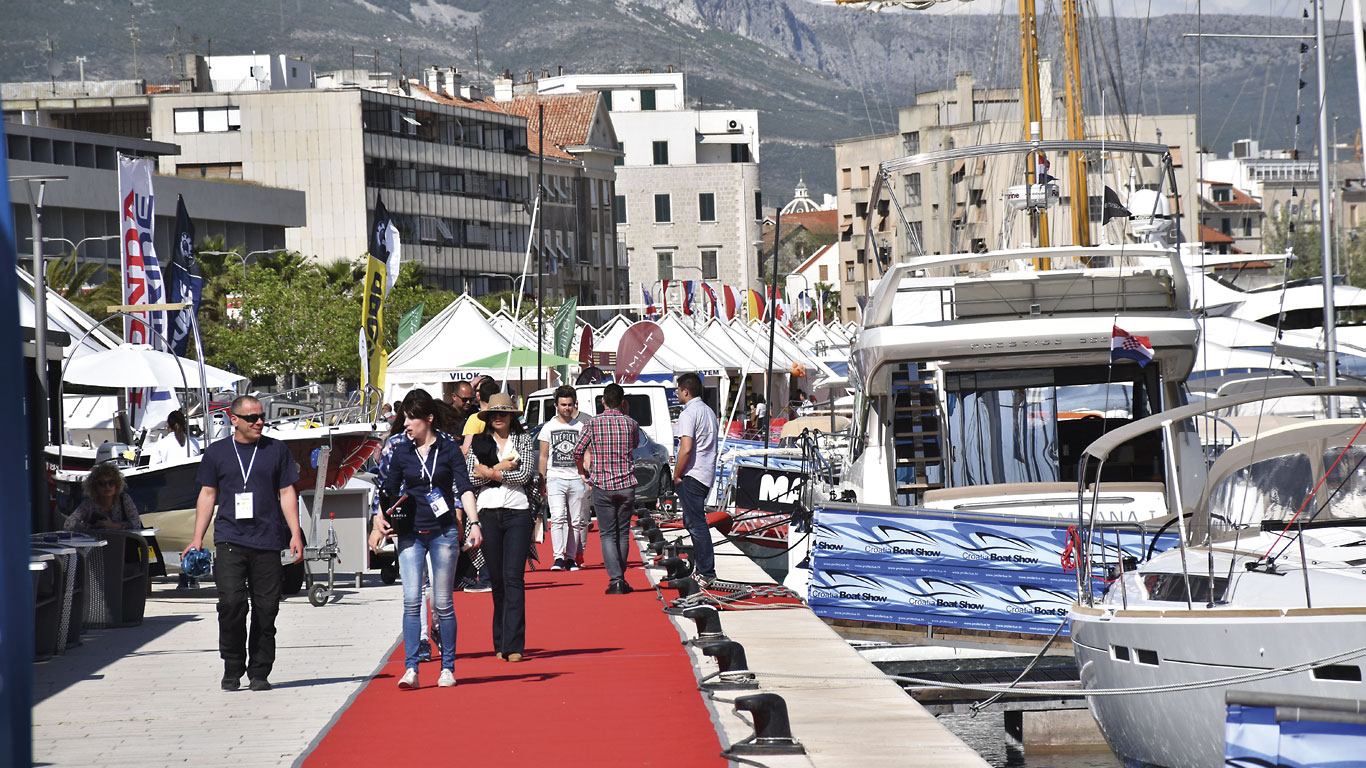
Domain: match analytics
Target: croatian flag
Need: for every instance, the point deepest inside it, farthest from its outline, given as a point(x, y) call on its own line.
point(1124, 346)
point(710, 293)
point(650, 311)
point(689, 296)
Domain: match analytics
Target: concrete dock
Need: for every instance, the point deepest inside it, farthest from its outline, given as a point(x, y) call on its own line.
point(842, 709)
point(148, 695)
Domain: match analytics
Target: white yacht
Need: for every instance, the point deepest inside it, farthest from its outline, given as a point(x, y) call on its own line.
point(1269, 575)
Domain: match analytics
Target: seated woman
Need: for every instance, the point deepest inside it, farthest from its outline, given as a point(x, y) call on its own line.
point(106, 506)
point(176, 444)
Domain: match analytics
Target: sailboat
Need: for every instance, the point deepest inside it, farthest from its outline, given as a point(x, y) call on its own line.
point(1265, 593)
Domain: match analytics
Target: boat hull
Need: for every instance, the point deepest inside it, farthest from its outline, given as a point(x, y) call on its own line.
point(1186, 727)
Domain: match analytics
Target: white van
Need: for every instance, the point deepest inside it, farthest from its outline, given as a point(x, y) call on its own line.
point(653, 405)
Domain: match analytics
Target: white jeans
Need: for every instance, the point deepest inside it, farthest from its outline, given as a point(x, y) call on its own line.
point(569, 511)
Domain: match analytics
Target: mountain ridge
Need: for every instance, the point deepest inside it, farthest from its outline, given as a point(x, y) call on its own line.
point(816, 73)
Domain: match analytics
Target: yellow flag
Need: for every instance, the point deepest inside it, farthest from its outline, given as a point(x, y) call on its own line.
point(373, 361)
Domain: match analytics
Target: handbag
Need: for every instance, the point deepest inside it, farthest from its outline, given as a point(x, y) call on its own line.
point(400, 513)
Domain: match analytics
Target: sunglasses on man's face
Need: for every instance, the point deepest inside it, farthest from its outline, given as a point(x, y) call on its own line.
point(469, 399)
point(250, 418)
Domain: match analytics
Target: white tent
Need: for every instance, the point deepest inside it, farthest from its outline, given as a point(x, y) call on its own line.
point(714, 365)
point(517, 331)
point(458, 333)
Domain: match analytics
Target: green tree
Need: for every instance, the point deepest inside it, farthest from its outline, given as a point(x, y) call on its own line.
point(1349, 251)
point(76, 282)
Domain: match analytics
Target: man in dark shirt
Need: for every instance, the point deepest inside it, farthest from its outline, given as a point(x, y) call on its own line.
point(251, 479)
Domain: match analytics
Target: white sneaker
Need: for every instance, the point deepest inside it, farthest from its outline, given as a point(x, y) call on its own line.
point(447, 679)
point(409, 680)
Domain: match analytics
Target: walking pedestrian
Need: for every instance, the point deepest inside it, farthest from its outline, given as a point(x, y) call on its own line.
point(611, 436)
point(502, 464)
point(251, 480)
point(430, 471)
point(566, 492)
point(695, 471)
point(474, 423)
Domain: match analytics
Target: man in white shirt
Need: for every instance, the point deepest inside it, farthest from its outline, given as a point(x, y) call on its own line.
point(695, 471)
point(566, 492)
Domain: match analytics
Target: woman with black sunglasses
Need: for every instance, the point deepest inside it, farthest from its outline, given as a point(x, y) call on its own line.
point(106, 505)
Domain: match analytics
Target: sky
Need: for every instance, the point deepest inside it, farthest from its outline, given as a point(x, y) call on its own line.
point(1161, 7)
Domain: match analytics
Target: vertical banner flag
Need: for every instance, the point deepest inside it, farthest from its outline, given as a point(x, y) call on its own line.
point(142, 279)
point(372, 358)
point(563, 326)
point(186, 285)
point(635, 350)
point(710, 293)
point(651, 311)
point(754, 308)
point(586, 346)
point(409, 324)
point(689, 296)
point(385, 244)
point(732, 302)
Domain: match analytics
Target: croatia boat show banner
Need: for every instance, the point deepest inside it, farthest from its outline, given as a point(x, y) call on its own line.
point(952, 569)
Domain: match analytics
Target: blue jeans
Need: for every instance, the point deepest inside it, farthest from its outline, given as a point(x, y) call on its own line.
point(414, 549)
point(692, 496)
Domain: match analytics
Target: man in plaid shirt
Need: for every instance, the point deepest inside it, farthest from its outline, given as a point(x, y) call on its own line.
point(610, 437)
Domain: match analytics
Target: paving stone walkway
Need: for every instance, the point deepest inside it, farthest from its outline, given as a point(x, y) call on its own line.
point(149, 695)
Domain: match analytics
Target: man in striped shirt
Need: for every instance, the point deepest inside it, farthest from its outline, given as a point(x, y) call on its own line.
point(610, 437)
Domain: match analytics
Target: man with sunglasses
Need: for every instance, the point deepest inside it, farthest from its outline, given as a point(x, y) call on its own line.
point(251, 480)
point(465, 403)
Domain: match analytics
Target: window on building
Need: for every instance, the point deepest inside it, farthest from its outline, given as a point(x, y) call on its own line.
point(1247, 226)
point(619, 208)
point(912, 182)
point(824, 271)
point(864, 176)
point(706, 206)
point(665, 264)
point(1226, 226)
point(663, 214)
point(661, 152)
point(861, 256)
point(758, 205)
point(860, 210)
point(849, 273)
point(846, 178)
point(910, 142)
point(620, 159)
point(207, 120)
point(739, 153)
point(709, 265)
point(1222, 195)
point(209, 170)
point(647, 99)
point(607, 100)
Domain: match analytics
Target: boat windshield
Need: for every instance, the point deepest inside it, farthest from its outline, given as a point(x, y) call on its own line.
point(1276, 488)
point(1030, 426)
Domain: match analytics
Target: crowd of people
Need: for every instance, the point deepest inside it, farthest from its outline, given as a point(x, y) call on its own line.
point(460, 483)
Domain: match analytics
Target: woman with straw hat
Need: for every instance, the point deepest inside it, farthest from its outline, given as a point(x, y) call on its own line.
point(502, 465)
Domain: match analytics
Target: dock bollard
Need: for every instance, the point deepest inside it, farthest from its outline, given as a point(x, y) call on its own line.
point(708, 621)
point(675, 568)
point(730, 656)
point(686, 586)
point(772, 730)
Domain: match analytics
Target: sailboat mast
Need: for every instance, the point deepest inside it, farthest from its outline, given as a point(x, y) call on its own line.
point(1325, 234)
point(1031, 107)
point(1076, 125)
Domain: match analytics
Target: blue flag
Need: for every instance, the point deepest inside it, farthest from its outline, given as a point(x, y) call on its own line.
point(186, 284)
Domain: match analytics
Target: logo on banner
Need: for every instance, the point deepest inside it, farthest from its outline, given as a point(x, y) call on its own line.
point(769, 490)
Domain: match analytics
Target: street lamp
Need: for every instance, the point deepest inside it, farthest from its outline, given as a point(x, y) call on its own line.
point(240, 256)
point(76, 246)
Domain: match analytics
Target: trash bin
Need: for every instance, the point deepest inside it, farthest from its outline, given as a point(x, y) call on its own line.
point(116, 580)
point(78, 579)
point(47, 603)
point(69, 593)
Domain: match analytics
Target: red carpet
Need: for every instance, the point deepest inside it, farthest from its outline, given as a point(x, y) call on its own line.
point(605, 683)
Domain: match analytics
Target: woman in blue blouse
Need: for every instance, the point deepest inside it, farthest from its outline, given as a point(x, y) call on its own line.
point(430, 470)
